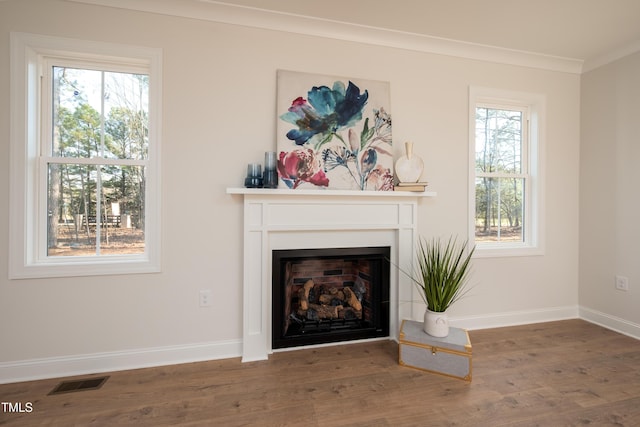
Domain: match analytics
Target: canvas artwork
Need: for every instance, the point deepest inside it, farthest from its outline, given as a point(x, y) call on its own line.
point(333, 133)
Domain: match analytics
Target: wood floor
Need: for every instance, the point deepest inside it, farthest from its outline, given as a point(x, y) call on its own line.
point(567, 373)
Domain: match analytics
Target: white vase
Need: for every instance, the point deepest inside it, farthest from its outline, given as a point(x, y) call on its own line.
point(410, 166)
point(436, 324)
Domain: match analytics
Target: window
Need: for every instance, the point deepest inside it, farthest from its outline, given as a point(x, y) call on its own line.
point(85, 158)
point(505, 192)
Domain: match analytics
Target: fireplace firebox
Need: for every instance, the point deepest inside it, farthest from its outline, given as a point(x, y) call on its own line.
point(329, 295)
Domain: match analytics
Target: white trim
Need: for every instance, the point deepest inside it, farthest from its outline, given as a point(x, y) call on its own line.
point(56, 367)
point(329, 193)
point(514, 318)
point(610, 322)
point(215, 11)
point(26, 53)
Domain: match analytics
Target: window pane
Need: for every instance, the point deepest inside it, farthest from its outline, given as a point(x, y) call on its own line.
point(71, 201)
point(499, 209)
point(76, 112)
point(74, 225)
point(127, 117)
point(123, 204)
point(98, 113)
point(498, 140)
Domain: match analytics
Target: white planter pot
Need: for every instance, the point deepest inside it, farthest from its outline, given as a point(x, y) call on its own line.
point(436, 324)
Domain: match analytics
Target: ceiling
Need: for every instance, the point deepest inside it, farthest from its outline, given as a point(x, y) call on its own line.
point(575, 29)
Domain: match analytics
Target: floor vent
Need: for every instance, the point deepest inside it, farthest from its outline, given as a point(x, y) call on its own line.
point(79, 385)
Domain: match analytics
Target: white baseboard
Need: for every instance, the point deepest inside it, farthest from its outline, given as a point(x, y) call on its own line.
point(513, 318)
point(55, 367)
point(611, 322)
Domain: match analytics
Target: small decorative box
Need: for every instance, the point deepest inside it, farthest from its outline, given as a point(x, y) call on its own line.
point(450, 356)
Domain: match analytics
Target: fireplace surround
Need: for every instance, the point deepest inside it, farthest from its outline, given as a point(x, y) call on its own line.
point(280, 219)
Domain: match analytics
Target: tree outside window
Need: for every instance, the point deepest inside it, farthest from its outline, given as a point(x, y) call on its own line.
point(501, 173)
point(96, 159)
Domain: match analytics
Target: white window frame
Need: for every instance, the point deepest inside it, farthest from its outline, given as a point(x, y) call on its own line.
point(533, 229)
point(26, 259)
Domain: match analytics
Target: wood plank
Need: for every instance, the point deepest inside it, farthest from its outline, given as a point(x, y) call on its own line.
point(557, 373)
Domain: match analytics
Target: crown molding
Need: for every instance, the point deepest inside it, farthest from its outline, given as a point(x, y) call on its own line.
point(623, 51)
point(210, 10)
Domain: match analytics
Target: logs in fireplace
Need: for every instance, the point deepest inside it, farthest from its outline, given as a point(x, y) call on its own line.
point(329, 295)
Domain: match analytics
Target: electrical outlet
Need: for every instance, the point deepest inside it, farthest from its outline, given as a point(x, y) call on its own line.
point(622, 283)
point(206, 297)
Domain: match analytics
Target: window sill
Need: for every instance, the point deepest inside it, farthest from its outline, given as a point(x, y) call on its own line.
point(75, 268)
point(503, 252)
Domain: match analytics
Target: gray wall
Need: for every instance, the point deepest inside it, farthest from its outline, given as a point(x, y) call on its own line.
point(609, 188)
point(219, 114)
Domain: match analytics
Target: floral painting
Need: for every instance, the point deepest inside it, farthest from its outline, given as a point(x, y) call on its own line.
point(333, 133)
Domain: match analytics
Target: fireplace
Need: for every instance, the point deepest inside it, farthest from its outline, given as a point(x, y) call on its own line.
point(276, 219)
point(329, 295)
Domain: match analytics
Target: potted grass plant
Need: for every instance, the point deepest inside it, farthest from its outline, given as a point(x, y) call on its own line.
point(441, 276)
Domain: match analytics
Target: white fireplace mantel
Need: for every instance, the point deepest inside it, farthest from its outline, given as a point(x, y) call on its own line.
point(329, 193)
point(277, 219)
